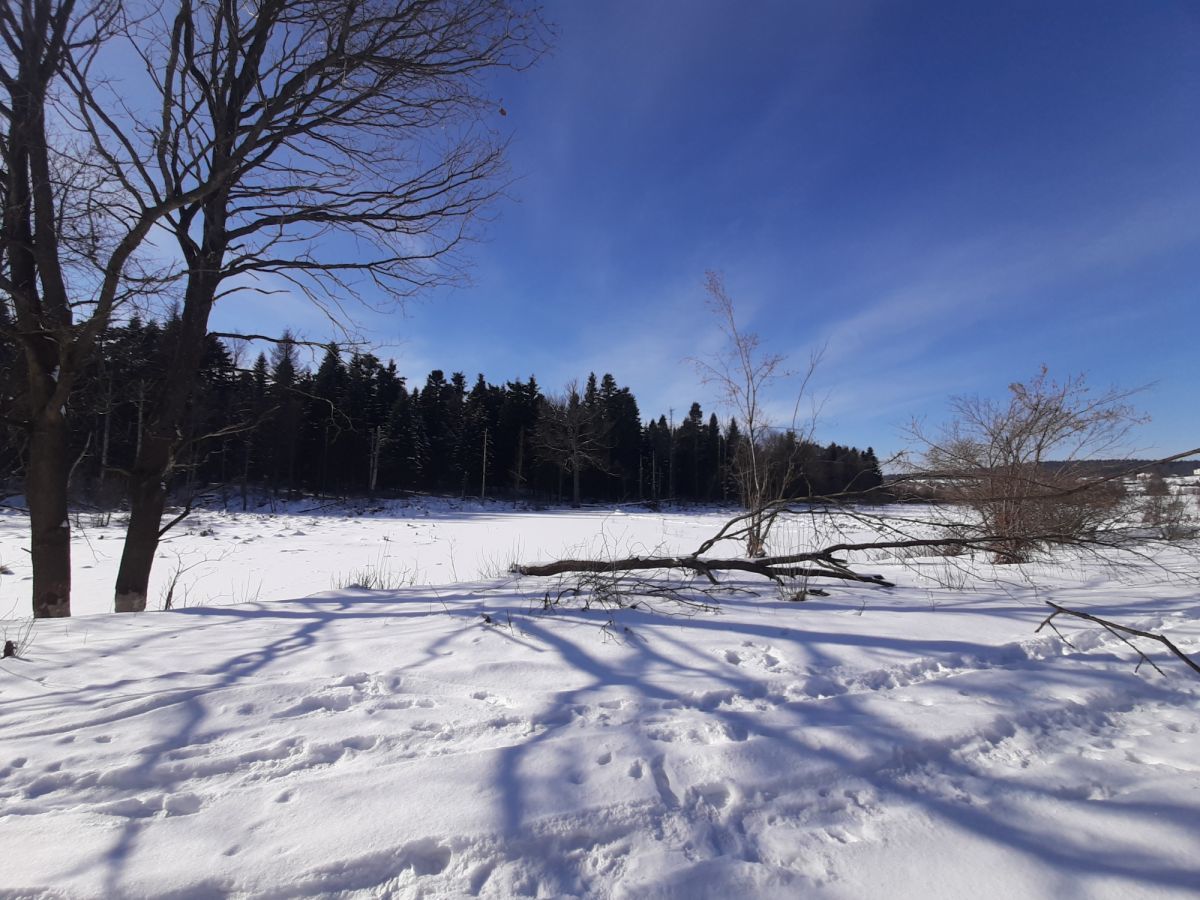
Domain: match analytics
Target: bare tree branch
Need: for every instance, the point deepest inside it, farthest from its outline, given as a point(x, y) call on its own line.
point(1118, 630)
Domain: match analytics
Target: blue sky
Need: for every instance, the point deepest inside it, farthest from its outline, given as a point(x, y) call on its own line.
point(943, 195)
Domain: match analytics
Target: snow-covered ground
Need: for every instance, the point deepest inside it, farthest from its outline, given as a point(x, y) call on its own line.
point(279, 736)
point(307, 546)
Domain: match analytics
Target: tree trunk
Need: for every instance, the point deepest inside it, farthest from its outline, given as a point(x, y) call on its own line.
point(147, 498)
point(141, 415)
point(50, 529)
point(483, 473)
point(246, 473)
point(518, 474)
point(376, 450)
point(325, 460)
point(108, 408)
point(156, 452)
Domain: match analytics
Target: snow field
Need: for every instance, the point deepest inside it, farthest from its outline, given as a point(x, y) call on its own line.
point(232, 557)
point(917, 742)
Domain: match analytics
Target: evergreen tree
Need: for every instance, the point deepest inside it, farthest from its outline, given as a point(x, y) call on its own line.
point(713, 460)
point(733, 440)
point(324, 423)
point(687, 447)
point(624, 428)
point(406, 456)
point(481, 415)
point(285, 415)
point(515, 430)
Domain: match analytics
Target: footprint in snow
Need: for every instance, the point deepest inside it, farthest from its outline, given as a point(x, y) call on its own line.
point(702, 733)
point(713, 795)
point(184, 804)
point(663, 783)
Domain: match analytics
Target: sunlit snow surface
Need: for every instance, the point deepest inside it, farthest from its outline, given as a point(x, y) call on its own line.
point(277, 737)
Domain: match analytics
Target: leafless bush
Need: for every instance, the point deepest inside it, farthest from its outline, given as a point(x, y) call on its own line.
point(1021, 467)
point(1156, 486)
point(16, 638)
point(381, 575)
point(1168, 517)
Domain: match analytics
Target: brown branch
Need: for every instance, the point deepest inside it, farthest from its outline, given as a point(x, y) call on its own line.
point(1114, 628)
point(295, 342)
point(187, 511)
point(705, 567)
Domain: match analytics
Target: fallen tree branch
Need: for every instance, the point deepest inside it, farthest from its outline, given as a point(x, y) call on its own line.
point(834, 560)
point(773, 568)
point(1116, 629)
point(827, 564)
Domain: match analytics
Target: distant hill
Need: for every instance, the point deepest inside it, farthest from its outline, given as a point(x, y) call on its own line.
point(1109, 466)
point(1102, 467)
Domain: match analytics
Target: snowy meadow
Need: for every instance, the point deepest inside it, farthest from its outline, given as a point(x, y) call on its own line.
point(365, 702)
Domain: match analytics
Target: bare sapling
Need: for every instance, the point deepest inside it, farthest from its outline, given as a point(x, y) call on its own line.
point(763, 463)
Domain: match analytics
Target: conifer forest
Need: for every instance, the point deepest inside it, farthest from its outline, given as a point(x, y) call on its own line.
point(353, 426)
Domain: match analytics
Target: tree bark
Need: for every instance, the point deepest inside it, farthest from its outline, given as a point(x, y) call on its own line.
point(46, 494)
point(147, 499)
point(30, 242)
point(156, 454)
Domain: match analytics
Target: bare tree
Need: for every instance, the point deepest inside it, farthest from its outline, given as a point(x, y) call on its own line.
point(573, 436)
point(1023, 466)
point(352, 153)
point(68, 240)
point(763, 462)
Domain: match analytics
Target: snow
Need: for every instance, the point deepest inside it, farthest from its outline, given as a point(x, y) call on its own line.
point(278, 736)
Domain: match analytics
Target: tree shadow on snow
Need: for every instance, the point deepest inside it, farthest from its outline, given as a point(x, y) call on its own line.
point(806, 696)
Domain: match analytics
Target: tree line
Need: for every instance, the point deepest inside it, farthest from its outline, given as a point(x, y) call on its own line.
point(355, 426)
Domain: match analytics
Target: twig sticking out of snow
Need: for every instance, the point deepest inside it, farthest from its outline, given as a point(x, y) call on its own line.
point(1116, 629)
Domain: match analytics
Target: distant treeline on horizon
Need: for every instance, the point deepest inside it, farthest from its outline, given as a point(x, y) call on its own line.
point(354, 426)
point(1102, 467)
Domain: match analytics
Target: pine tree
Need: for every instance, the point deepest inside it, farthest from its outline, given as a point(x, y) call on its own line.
point(481, 415)
point(285, 417)
point(624, 427)
point(324, 423)
point(518, 419)
point(713, 447)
